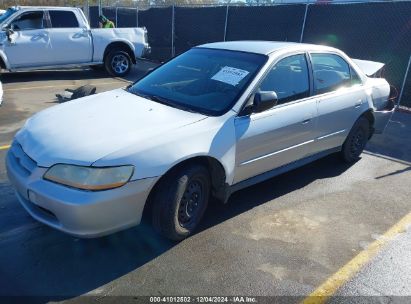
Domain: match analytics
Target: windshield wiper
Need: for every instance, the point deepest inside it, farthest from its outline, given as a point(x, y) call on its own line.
point(169, 102)
point(165, 101)
point(127, 89)
point(159, 99)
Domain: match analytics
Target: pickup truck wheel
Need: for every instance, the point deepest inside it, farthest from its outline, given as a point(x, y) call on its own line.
point(118, 63)
point(180, 201)
point(356, 140)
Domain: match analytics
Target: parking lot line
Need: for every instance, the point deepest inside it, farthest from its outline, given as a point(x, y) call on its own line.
point(345, 273)
point(4, 147)
point(63, 86)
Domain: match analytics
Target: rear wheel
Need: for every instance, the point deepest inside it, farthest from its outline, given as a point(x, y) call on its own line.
point(179, 202)
point(118, 63)
point(356, 140)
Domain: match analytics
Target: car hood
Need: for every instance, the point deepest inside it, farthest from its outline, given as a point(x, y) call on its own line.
point(85, 130)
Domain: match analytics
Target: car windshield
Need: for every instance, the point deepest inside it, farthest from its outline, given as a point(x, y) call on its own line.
point(10, 11)
point(207, 81)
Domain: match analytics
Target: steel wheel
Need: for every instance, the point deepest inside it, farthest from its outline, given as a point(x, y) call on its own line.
point(180, 200)
point(190, 203)
point(356, 140)
point(358, 143)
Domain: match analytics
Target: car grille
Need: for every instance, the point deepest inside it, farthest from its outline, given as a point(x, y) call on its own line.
point(25, 164)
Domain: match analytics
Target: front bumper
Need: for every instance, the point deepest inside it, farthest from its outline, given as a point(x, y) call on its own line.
point(80, 213)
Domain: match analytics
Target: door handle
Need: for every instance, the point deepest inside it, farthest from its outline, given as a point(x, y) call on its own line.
point(306, 121)
point(41, 36)
point(81, 34)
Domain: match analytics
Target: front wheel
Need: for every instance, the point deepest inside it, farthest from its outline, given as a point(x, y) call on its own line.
point(356, 140)
point(118, 63)
point(179, 202)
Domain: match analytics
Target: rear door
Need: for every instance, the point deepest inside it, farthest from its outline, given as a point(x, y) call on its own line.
point(70, 43)
point(30, 43)
point(340, 96)
point(283, 134)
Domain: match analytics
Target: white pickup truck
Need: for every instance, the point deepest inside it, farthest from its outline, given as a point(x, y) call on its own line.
point(59, 37)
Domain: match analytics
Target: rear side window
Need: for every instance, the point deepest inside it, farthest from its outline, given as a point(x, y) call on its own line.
point(28, 21)
point(63, 19)
point(288, 79)
point(331, 72)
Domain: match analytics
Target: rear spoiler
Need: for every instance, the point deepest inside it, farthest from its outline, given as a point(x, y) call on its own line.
point(370, 68)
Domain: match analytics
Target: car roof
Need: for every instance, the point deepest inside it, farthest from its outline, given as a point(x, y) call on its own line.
point(264, 47)
point(46, 8)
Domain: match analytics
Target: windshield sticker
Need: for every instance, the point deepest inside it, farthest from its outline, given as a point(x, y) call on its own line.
point(230, 75)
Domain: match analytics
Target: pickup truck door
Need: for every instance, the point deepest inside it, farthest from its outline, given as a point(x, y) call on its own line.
point(70, 43)
point(29, 45)
point(284, 133)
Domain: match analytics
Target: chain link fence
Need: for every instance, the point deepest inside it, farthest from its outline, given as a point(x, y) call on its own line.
point(370, 30)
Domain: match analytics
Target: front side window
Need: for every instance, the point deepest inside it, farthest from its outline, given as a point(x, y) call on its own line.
point(63, 19)
point(331, 72)
point(203, 80)
point(288, 79)
point(28, 21)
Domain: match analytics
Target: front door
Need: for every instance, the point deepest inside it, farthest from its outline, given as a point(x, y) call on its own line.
point(29, 45)
point(283, 134)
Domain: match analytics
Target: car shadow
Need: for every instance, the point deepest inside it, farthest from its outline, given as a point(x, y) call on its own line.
point(54, 266)
point(48, 75)
point(138, 71)
point(251, 197)
point(47, 265)
point(393, 143)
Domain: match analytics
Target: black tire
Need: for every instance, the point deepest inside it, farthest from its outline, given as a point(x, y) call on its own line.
point(118, 63)
point(83, 91)
point(356, 140)
point(179, 202)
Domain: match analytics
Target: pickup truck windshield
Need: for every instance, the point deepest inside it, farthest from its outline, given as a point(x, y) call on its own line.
point(207, 81)
point(10, 11)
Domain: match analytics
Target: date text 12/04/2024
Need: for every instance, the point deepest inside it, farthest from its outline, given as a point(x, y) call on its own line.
point(203, 299)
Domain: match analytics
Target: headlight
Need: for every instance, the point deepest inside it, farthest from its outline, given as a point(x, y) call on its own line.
point(89, 178)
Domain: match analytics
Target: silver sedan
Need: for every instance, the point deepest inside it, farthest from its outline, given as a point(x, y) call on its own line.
point(218, 118)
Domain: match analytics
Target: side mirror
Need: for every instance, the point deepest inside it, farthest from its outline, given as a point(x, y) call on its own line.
point(9, 32)
point(9, 28)
point(264, 101)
